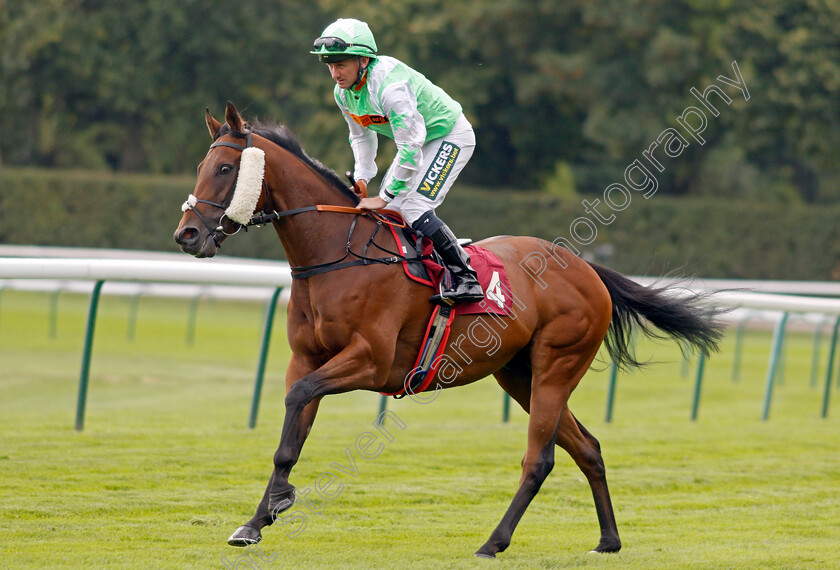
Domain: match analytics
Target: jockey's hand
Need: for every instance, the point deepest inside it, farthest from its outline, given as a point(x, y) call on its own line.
point(359, 188)
point(374, 203)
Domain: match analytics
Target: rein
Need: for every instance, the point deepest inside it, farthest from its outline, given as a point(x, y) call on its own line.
point(307, 271)
point(263, 218)
point(304, 271)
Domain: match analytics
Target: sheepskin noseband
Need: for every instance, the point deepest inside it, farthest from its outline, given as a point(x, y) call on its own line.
point(248, 185)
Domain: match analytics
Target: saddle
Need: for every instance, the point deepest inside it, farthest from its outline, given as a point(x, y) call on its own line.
point(423, 265)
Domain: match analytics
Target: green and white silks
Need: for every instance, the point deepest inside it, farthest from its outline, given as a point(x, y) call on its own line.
point(400, 103)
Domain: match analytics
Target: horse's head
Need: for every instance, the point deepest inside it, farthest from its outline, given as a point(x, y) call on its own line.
point(228, 188)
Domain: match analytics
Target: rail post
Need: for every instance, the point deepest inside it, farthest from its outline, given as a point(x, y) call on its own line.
point(830, 371)
point(778, 343)
point(383, 405)
point(54, 313)
point(739, 347)
point(131, 329)
point(266, 340)
point(698, 381)
point(815, 355)
point(83, 378)
point(611, 391)
point(686, 366)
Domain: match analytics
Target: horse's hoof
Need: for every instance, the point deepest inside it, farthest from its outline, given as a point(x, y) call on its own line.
point(606, 548)
point(487, 551)
point(245, 536)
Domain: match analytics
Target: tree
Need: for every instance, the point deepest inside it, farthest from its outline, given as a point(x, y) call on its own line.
point(124, 85)
point(574, 87)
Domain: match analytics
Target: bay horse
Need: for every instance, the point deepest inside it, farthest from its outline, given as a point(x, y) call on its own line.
point(360, 326)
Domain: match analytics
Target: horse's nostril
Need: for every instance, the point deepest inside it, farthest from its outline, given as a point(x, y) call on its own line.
point(187, 235)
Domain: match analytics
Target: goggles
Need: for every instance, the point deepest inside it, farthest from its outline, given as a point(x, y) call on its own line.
point(331, 43)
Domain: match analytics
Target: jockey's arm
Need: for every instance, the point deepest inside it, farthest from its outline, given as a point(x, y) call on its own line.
point(364, 144)
point(409, 127)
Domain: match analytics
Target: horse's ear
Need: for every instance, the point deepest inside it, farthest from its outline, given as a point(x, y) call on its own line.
point(212, 124)
point(233, 119)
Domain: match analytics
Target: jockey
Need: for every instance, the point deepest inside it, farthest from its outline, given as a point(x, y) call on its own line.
point(380, 94)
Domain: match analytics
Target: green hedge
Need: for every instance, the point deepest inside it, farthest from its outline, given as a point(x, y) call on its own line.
point(92, 209)
point(704, 237)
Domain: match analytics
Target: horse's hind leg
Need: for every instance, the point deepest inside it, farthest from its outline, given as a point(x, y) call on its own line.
point(581, 446)
point(586, 451)
point(515, 379)
point(554, 377)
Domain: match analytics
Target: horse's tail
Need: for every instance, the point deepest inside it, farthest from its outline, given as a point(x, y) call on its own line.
point(683, 317)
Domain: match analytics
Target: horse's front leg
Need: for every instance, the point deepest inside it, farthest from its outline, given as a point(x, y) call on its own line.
point(352, 369)
point(249, 533)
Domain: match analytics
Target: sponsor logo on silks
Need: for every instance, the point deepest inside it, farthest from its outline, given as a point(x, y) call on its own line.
point(368, 120)
point(441, 166)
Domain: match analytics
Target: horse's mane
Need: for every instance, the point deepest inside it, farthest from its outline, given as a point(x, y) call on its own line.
point(283, 137)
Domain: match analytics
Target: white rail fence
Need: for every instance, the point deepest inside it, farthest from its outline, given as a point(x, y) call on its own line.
point(276, 276)
point(258, 279)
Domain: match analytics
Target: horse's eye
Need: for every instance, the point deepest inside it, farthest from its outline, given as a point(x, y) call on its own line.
point(225, 169)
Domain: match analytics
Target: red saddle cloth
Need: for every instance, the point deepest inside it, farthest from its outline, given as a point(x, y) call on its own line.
point(498, 300)
point(491, 275)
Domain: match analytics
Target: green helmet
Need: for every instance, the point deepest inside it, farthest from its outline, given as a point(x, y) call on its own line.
point(344, 39)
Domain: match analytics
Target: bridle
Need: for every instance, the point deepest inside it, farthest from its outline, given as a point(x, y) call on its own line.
point(192, 200)
point(272, 214)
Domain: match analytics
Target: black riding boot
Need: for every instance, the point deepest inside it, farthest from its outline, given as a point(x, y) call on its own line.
point(465, 286)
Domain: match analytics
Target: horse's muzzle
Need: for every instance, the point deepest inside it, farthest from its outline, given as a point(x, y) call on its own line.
point(195, 242)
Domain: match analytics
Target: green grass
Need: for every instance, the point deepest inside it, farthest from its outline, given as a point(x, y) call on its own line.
point(166, 468)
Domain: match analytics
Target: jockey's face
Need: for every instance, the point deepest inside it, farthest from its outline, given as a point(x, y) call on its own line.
point(346, 72)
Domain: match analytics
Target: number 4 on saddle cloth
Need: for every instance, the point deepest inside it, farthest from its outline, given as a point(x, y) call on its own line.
point(423, 266)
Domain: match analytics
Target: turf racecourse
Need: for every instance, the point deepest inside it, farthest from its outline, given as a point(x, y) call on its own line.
point(166, 469)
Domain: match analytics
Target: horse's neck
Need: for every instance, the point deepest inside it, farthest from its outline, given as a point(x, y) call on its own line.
point(311, 237)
